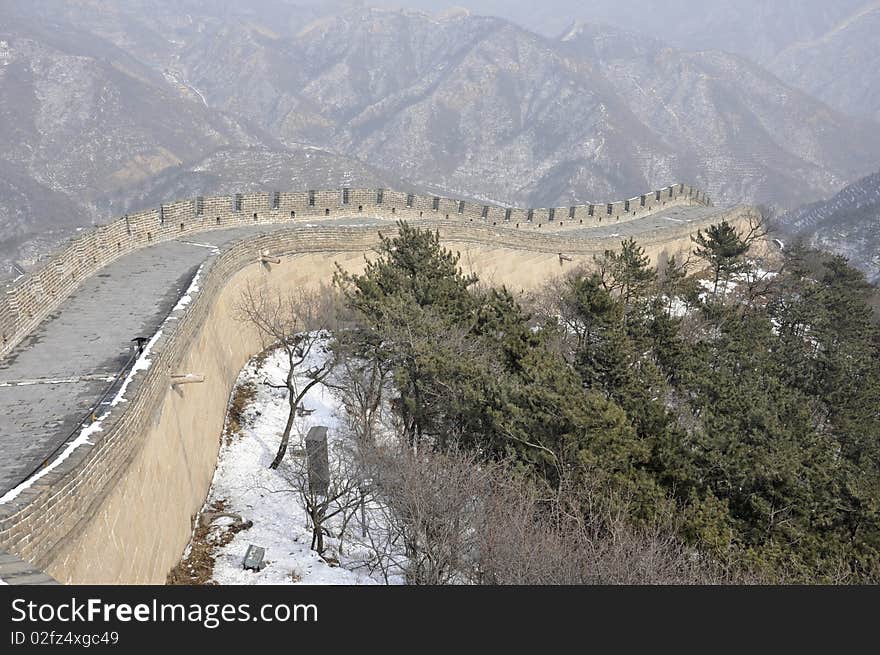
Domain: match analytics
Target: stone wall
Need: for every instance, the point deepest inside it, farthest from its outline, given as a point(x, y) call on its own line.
point(27, 301)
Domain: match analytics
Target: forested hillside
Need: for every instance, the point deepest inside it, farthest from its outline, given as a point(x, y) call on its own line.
point(737, 405)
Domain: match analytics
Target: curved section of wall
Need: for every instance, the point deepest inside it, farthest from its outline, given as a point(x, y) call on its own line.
point(119, 509)
point(27, 301)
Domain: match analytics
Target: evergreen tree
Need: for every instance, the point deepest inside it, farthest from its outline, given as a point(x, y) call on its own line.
point(759, 422)
point(627, 275)
point(723, 250)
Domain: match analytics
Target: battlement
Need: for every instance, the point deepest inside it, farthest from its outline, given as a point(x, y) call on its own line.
point(28, 300)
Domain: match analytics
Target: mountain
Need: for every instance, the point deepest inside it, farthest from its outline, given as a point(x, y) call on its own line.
point(88, 131)
point(251, 171)
point(738, 130)
point(848, 224)
point(841, 66)
point(81, 119)
point(828, 49)
point(109, 107)
point(83, 116)
point(756, 28)
point(153, 31)
point(475, 104)
point(33, 217)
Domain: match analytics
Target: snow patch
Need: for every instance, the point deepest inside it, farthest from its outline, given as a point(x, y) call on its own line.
point(249, 488)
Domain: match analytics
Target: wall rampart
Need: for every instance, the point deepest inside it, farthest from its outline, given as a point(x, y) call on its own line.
point(28, 300)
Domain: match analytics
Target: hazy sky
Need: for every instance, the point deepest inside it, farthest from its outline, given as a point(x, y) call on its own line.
point(757, 28)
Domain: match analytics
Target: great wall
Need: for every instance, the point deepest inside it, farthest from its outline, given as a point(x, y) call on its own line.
point(110, 498)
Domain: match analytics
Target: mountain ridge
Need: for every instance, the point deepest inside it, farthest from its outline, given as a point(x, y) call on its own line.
point(848, 223)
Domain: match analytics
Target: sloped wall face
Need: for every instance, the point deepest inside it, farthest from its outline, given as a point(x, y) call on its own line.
point(29, 300)
point(121, 509)
point(138, 532)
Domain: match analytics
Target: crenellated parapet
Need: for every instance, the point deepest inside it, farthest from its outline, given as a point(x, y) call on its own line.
point(32, 297)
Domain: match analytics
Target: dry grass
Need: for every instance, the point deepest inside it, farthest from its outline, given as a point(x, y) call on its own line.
point(197, 567)
point(242, 397)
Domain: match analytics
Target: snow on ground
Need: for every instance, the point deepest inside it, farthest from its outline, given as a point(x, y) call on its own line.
point(249, 488)
point(754, 275)
point(677, 306)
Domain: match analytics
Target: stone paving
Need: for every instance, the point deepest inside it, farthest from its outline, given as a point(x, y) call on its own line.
point(51, 380)
point(15, 571)
point(664, 219)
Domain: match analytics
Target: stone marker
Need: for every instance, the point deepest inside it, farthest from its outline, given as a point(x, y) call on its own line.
point(318, 461)
point(253, 558)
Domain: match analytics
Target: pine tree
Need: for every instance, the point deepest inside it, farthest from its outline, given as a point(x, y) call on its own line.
point(723, 250)
point(627, 275)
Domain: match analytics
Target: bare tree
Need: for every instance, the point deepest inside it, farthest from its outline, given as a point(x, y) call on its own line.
point(549, 303)
point(431, 502)
point(580, 533)
point(449, 518)
point(360, 384)
point(297, 325)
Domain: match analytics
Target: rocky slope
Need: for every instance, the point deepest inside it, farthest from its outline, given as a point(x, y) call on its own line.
point(756, 28)
point(251, 171)
point(88, 130)
point(108, 107)
point(479, 104)
point(828, 49)
point(841, 66)
point(81, 119)
point(382, 85)
point(848, 224)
